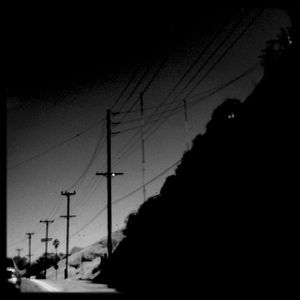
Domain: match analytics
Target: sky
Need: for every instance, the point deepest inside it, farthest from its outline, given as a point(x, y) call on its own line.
point(64, 73)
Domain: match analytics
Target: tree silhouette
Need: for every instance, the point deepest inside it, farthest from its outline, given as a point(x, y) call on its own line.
point(276, 48)
point(21, 262)
point(37, 268)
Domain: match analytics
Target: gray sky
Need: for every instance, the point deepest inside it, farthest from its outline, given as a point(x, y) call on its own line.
point(49, 111)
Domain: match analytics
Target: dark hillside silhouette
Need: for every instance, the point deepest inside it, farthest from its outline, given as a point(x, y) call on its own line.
point(225, 222)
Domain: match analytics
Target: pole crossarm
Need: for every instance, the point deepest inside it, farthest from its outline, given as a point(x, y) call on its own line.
point(112, 174)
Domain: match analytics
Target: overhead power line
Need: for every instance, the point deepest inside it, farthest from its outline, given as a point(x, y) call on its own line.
point(162, 64)
point(126, 196)
point(221, 57)
point(54, 146)
point(226, 51)
point(177, 162)
point(210, 57)
point(207, 94)
point(127, 86)
point(137, 84)
point(185, 74)
point(99, 146)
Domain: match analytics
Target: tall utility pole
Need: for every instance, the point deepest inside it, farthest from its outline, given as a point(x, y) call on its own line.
point(46, 240)
point(109, 175)
point(29, 234)
point(187, 140)
point(143, 145)
point(68, 216)
point(19, 250)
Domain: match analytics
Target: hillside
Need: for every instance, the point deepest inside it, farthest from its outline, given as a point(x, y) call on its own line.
point(230, 198)
point(84, 262)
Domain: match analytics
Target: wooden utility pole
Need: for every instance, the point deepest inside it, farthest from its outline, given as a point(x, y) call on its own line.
point(143, 145)
point(46, 240)
point(29, 234)
point(109, 175)
point(56, 244)
point(68, 216)
point(19, 250)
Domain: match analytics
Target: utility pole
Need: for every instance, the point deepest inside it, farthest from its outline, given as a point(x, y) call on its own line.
point(19, 250)
point(29, 234)
point(187, 140)
point(143, 145)
point(68, 216)
point(56, 244)
point(46, 240)
point(109, 175)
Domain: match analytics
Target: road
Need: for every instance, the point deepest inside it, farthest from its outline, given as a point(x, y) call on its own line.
point(63, 286)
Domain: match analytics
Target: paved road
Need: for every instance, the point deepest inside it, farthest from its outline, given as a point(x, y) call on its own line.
point(62, 286)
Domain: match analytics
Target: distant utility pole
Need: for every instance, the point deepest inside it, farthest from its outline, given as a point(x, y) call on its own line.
point(143, 145)
point(29, 234)
point(46, 240)
point(187, 140)
point(56, 244)
point(109, 175)
point(19, 250)
point(68, 216)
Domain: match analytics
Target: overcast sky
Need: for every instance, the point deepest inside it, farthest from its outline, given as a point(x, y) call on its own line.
point(66, 72)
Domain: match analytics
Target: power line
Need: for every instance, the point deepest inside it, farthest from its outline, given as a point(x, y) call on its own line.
point(126, 196)
point(137, 84)
point(173, 111)
point(149, 108)
point(177, 162)
point(98, 148)
point(88, 197)
point(201, 54)
point(127, 85)
point(213, 92)
point(53, 147)
point(179, 82)
point(84, 193)
point(229, 34)
point(221, 57)
point(173, 165)
point(148, 84)
point(138, 119)
point(226, 51)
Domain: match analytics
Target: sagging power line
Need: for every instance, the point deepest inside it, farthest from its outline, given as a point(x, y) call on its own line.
point(58, 145)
